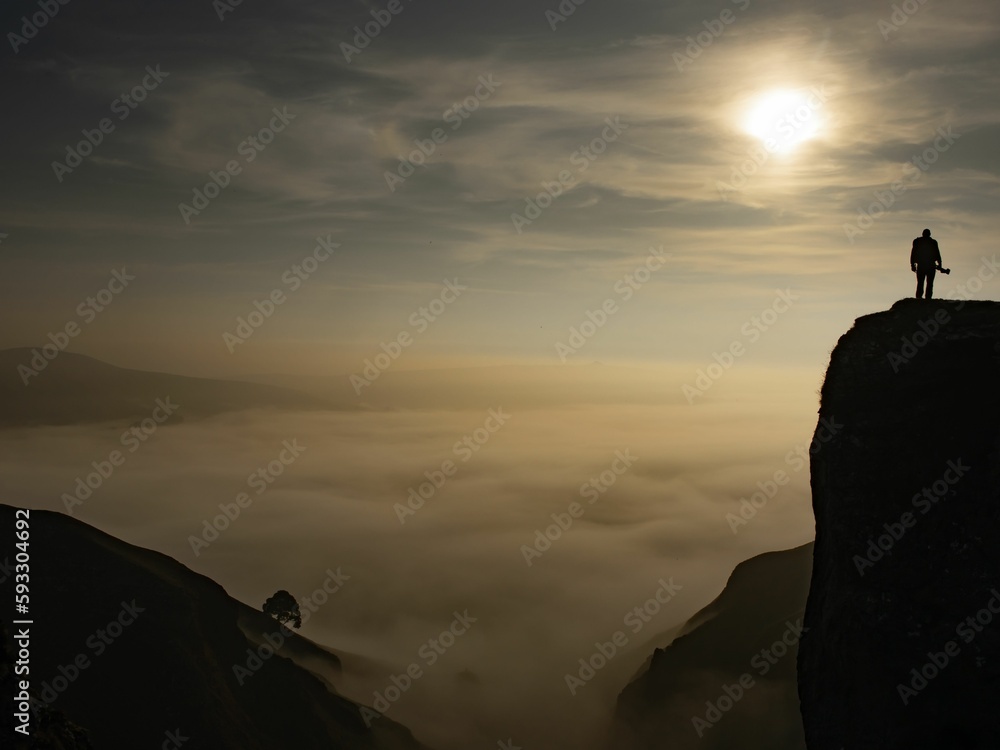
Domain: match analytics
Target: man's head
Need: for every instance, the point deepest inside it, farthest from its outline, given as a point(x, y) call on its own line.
point(927, 233)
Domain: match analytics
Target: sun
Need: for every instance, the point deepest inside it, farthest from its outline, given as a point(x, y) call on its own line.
point(784, 119)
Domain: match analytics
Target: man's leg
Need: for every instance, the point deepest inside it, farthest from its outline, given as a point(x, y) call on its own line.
point(920, 283)
point(930, 283)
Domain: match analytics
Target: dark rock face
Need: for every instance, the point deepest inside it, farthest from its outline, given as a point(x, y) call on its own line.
point(726, 656)
point(131, 645)
point(902, 648)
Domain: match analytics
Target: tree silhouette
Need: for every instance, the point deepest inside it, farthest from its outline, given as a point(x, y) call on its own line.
point(283, 608)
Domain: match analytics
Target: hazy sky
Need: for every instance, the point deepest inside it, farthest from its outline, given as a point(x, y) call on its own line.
point(516, 89)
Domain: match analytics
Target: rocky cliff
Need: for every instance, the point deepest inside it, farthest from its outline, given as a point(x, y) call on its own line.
point(728, 681)
point(902, 647)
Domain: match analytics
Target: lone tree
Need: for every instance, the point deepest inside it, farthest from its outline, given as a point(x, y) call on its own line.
point(283, 608)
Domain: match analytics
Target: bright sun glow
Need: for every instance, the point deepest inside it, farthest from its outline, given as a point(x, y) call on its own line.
point(784, 118)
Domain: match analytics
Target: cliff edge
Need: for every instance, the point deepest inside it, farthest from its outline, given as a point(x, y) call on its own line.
point(902, 640)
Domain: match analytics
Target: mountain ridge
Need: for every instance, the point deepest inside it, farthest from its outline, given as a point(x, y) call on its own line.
point(136, 644)
point(717, 648)
point(78, 389)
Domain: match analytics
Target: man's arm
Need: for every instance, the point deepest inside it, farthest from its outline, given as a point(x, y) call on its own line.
point(913, 256)
point(937, 253)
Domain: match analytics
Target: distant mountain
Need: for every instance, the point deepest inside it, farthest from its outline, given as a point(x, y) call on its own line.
point(724, 682)
point(74, 389)
point(130, 645)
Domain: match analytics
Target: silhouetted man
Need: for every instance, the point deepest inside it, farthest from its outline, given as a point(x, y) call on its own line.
point(925, 259)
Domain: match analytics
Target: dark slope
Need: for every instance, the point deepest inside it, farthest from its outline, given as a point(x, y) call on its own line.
point(74, 389)
point(720, 644)
point(52, 730)
point(169, 666)
point(888, 588)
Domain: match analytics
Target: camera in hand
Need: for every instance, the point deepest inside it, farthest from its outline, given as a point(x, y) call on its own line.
point(937, 268)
